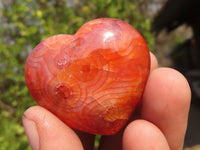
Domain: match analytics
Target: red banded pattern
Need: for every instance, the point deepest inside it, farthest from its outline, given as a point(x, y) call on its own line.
point(92, 80)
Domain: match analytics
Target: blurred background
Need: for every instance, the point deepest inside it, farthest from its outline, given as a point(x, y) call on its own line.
point(171, 29)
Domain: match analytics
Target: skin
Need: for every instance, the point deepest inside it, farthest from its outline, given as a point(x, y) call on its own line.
point(159, 123)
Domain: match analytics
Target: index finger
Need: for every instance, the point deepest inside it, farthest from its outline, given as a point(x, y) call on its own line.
point(166, 102)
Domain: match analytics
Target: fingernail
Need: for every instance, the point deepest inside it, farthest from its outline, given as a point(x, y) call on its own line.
point(31, 132)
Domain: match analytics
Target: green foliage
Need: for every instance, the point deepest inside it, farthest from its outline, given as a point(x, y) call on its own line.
point(25, 23)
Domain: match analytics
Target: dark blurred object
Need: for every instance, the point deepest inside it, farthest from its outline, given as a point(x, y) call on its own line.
point(176, 13)
point(186, 59)
point(185, 56)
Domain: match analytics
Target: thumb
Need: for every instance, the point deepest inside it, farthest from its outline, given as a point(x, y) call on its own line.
point(46, 131)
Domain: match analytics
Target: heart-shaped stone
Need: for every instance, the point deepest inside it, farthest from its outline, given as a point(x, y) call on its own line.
point(92, 80)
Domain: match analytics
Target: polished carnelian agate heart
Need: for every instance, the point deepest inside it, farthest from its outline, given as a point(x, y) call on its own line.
point(92, 80)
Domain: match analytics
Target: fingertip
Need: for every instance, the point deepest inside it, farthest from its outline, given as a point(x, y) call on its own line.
point(33, 111)
point(143, 135)
point(49, 130)
point(168, 83)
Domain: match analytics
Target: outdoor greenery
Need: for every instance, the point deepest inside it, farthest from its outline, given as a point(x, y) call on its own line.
point(25, 23)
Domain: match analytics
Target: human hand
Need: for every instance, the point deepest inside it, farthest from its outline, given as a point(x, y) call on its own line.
point(160, 124)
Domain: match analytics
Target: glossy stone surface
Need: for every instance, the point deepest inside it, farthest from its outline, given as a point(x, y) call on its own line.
point(92, 80)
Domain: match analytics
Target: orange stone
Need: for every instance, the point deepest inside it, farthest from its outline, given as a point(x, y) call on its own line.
point(92, 80)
